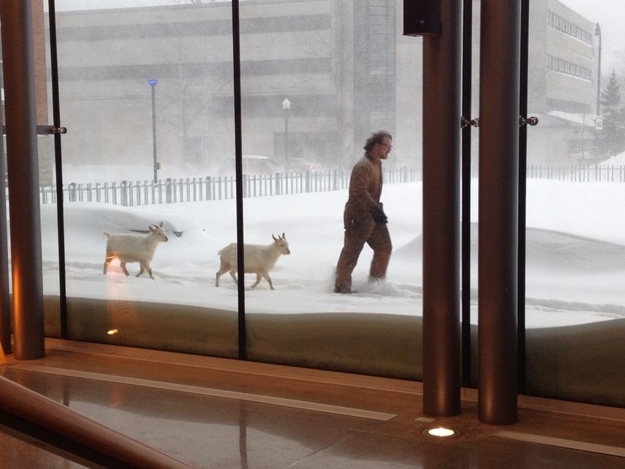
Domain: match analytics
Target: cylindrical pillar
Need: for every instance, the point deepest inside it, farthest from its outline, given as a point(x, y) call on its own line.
point(23, 175)
point(441, 214)
point(498, 211)
point(5, 292)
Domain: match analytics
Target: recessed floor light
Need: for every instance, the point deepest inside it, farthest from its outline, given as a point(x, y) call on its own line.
point(441, 432)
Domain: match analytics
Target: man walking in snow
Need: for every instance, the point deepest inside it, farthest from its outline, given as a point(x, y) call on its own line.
point(364, 218)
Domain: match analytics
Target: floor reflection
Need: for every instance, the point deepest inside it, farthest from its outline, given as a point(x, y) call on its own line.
point(199, 430)
point(243, 437)
point(207, 431)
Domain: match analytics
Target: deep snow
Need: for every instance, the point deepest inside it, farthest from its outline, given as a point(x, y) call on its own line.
point(575, 251)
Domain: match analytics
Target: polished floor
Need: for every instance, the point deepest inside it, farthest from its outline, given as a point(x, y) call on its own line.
point(215, 413)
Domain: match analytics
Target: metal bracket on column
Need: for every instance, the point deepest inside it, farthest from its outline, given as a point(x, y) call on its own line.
point(464, 122)
point(527, 121)
point(50, 130)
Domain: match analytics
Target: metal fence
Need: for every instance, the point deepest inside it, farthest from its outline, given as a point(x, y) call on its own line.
point(578, 173)
point(572, 173)
point(133, 193)
point(168, 191)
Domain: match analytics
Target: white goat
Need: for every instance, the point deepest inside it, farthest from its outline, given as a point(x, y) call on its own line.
point(258, 259)
point(134, 248)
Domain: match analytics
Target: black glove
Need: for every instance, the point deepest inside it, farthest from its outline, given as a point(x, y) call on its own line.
point(379, 216)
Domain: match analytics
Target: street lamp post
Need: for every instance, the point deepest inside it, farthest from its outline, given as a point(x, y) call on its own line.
point(286, 106)
point(598, 34)
point(153, 82)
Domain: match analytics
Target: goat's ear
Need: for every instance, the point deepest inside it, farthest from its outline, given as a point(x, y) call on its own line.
point(161, 225)
point(283, 236)
point(274, 238)
point(152, 227)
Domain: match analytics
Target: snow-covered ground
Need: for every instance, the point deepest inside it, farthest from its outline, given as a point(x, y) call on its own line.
point(575, 249)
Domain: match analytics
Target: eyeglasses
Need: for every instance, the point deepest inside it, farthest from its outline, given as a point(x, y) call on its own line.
point(390, 147)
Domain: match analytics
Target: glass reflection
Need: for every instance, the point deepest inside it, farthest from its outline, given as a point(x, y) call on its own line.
point(317, 80)
point(564, 93)
point(573, 199)
point(146, 93)
point(147, 96)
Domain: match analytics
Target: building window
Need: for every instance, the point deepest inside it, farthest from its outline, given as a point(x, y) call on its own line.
point(567, 106)
point(556, 64)
point(560, 24)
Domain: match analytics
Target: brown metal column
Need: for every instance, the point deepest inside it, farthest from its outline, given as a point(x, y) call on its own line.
point(498, 210)
point(22, 159)
point(5, 291)
point(441, 214)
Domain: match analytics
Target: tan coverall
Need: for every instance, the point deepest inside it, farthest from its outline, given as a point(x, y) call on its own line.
point(365, 188)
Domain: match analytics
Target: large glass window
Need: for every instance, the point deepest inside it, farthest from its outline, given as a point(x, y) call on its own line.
point(52, 282)
point(318, 78)
point(575, 189)
point(147, 94)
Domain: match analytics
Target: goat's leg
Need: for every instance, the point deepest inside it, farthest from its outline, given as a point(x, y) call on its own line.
point(123, 266)
point(268, 278)
point(234, 277)
point(145, 268)
point(222, 270)
point(107, 261)
point(258, 277)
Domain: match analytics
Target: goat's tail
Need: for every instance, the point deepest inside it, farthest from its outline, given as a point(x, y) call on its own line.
point(107, 234)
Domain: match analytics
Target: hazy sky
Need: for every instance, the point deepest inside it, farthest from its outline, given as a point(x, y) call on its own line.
point(610, 14)
point(97, 4)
